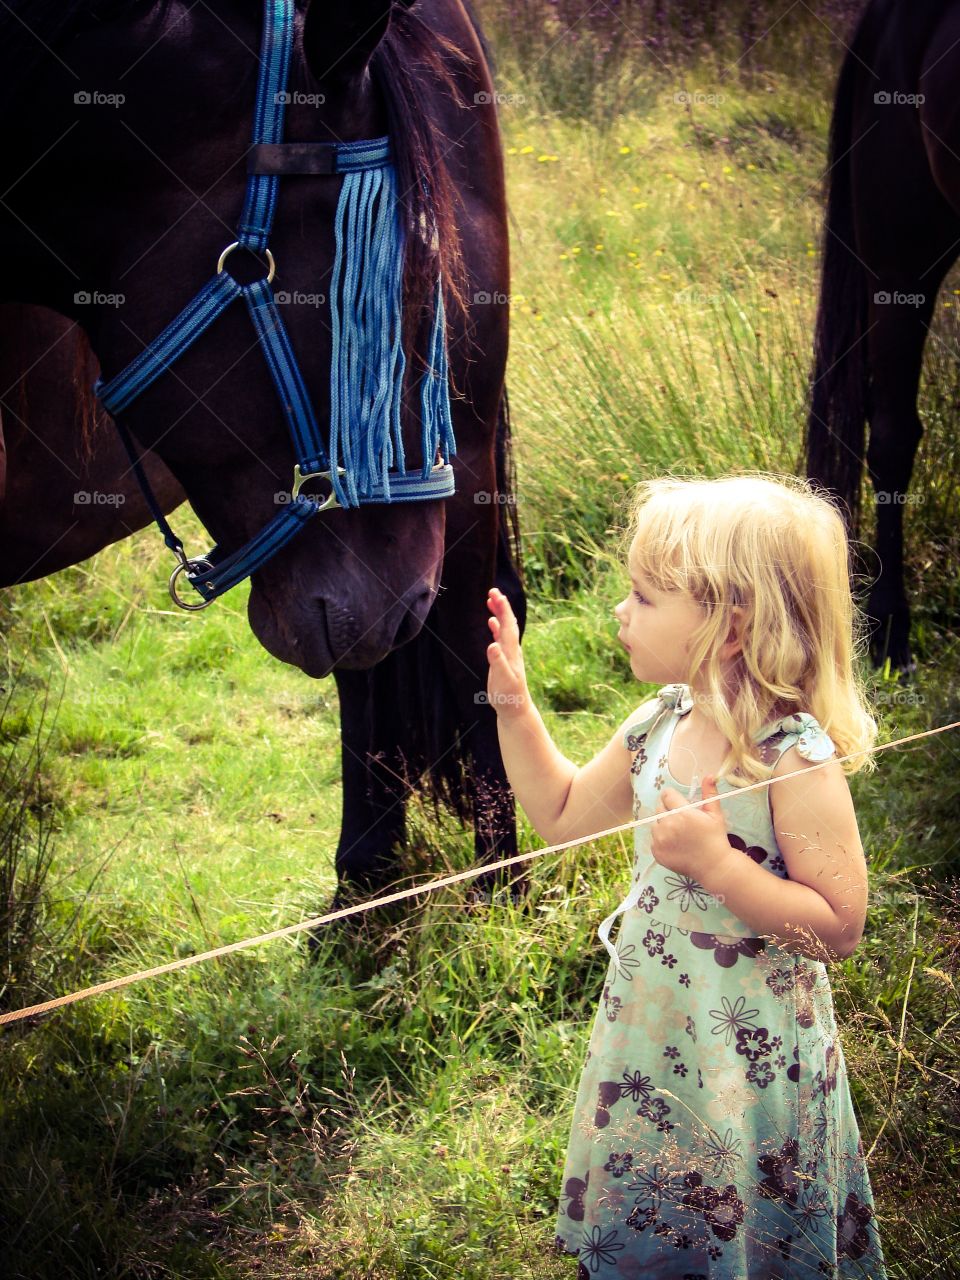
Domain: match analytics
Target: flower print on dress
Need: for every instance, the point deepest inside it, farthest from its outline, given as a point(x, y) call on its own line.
point(633, 1085)
point(730, 1018)
point(781, 1172)
point(780, 981)
point(662, 767)
point(812, 1209)
point(619, 1164)
point(654, 942)
point(826, 1082)
point(648, 899)
point(574, 1189)
point(726, 953)
point(599, 1246)
point(752, 1043)
point(761, 1074)
point(639, 759)
point(611, 1004)
point(656, 1111)
point(853, 1239)
point(805, 979)
point(723, 1211)
point(653, 1183)
point(755, 852)
point(629, 959)
point(722, 1153)
point(688, 890)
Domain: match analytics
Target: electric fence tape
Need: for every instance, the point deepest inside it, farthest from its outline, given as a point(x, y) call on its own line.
point(114, 984)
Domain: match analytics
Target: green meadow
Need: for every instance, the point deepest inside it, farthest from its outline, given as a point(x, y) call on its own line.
point(400, 1108)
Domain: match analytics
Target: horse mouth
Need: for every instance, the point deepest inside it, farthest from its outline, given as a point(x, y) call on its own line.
point(326, 636)
point(286, 642)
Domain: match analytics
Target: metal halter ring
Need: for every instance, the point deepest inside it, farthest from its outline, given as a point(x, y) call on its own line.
point(192, 565)
point(271, 264)
point(301, 477)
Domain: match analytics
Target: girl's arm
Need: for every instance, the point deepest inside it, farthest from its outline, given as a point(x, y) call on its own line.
point(561, 801)
point(820, 910)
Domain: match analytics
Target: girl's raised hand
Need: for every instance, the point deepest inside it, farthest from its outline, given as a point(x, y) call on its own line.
point(507, 689)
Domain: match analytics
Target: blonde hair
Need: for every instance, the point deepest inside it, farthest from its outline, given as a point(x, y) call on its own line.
point(776, 549)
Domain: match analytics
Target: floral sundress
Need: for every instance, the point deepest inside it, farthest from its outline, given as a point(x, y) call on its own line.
point(713, 1135)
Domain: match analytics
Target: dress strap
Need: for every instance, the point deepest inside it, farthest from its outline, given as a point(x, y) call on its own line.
point(801, 731)
point(672, 697)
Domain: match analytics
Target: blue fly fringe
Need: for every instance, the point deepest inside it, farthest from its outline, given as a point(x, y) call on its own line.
point(368, 364)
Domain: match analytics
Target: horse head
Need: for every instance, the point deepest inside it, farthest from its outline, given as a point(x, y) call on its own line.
point(127, 170)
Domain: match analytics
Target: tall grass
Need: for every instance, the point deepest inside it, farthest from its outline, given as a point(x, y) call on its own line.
point(28, 943)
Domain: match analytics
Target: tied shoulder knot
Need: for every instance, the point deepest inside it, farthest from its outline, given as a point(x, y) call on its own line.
point(672, 697)
point(812, 742)
point(676, 696)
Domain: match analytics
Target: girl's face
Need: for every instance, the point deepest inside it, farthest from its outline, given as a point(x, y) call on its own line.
point(656, 628)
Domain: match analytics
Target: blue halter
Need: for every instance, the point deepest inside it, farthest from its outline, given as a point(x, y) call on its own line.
point(363, 459)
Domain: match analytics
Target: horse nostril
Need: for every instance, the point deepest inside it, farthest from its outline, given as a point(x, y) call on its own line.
point(417, 606)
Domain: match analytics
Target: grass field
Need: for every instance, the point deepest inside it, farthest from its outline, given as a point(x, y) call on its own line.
point(401, 1108)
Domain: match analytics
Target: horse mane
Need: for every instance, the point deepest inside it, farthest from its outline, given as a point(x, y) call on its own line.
point(409, 51)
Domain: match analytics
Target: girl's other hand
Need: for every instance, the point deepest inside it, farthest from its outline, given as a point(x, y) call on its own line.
point(507, 689)
point(691, 842)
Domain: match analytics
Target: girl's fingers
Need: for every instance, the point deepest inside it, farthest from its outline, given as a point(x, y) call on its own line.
point(500, 607)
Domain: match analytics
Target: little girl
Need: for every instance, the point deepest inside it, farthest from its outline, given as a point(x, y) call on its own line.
point(713, 1133)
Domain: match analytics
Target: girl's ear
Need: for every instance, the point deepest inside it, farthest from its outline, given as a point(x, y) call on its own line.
point(734, 641)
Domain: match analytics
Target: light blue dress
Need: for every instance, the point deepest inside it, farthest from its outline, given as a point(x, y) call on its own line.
point(713, 1135)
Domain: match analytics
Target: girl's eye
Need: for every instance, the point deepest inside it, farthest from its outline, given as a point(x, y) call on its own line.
point(639, 598)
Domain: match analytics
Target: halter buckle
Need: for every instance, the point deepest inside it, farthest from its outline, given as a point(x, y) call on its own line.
point(192, 566)
point(301, 477)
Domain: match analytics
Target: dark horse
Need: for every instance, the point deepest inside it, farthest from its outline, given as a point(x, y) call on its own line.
point(892, 232)
point(125, 176)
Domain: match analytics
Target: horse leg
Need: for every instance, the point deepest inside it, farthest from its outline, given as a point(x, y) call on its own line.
point(907, 232)
point(373, 821)
point(897, 332)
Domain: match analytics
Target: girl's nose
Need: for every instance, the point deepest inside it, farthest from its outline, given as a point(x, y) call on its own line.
point(618, 610)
